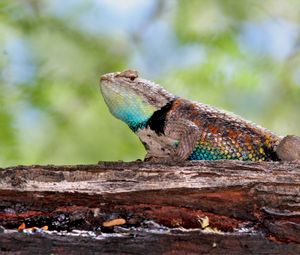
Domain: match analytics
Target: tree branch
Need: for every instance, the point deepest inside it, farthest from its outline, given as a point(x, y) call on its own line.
point(261, 199)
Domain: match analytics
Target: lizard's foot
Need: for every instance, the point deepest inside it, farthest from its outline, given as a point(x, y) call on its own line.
point(162, 160)
point(289, 148)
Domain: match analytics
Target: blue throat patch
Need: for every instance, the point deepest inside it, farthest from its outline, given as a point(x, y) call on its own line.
point(134, 119)
point(136, 126)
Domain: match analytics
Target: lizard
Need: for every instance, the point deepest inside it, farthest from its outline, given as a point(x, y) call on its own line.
point(173, 129)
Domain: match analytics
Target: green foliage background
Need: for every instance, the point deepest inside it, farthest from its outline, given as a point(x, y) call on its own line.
point(242, 56)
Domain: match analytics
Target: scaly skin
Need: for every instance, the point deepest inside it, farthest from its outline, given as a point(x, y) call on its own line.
point(175, 129)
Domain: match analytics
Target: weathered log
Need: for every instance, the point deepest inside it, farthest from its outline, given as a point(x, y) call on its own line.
point(262, 199)
point(177, 243)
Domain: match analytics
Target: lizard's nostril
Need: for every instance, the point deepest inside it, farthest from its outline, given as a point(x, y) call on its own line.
point(104, 78)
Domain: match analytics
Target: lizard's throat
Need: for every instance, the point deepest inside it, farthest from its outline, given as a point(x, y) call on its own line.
point(131, 109)
point(134, 118)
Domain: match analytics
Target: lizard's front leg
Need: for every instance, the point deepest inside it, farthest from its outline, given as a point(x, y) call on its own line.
point(187, 133)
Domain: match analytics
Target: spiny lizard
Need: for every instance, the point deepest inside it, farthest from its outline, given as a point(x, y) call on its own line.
point(176, 129)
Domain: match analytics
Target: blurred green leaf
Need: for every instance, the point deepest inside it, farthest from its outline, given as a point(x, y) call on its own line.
point(53, 53)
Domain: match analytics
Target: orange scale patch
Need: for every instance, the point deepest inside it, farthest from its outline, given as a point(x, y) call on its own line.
point(212, 129)
point(233, 134)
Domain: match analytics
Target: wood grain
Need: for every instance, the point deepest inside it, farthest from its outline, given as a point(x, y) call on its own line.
point(260, 197)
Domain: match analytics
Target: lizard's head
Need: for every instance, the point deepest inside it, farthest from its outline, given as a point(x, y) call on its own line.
point(132, 99)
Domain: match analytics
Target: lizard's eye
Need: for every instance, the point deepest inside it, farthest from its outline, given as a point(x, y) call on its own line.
point(128, 74)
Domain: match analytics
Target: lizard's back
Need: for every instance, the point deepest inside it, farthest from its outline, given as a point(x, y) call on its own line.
point(224, 135)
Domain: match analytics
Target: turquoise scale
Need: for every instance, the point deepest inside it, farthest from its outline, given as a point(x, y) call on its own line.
point(135, 126)
point(203, 153)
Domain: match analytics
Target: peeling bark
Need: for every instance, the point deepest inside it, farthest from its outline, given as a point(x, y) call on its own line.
point(263, 197)
point(176, 243)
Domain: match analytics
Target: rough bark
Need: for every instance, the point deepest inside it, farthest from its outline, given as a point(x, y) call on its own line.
point(260, 199)
point(179, 242)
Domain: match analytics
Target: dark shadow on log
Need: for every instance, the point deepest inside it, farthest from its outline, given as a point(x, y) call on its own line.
point(263, 198)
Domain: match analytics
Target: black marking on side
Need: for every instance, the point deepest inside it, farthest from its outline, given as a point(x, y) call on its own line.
point(270, 153)
point(157, 121)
